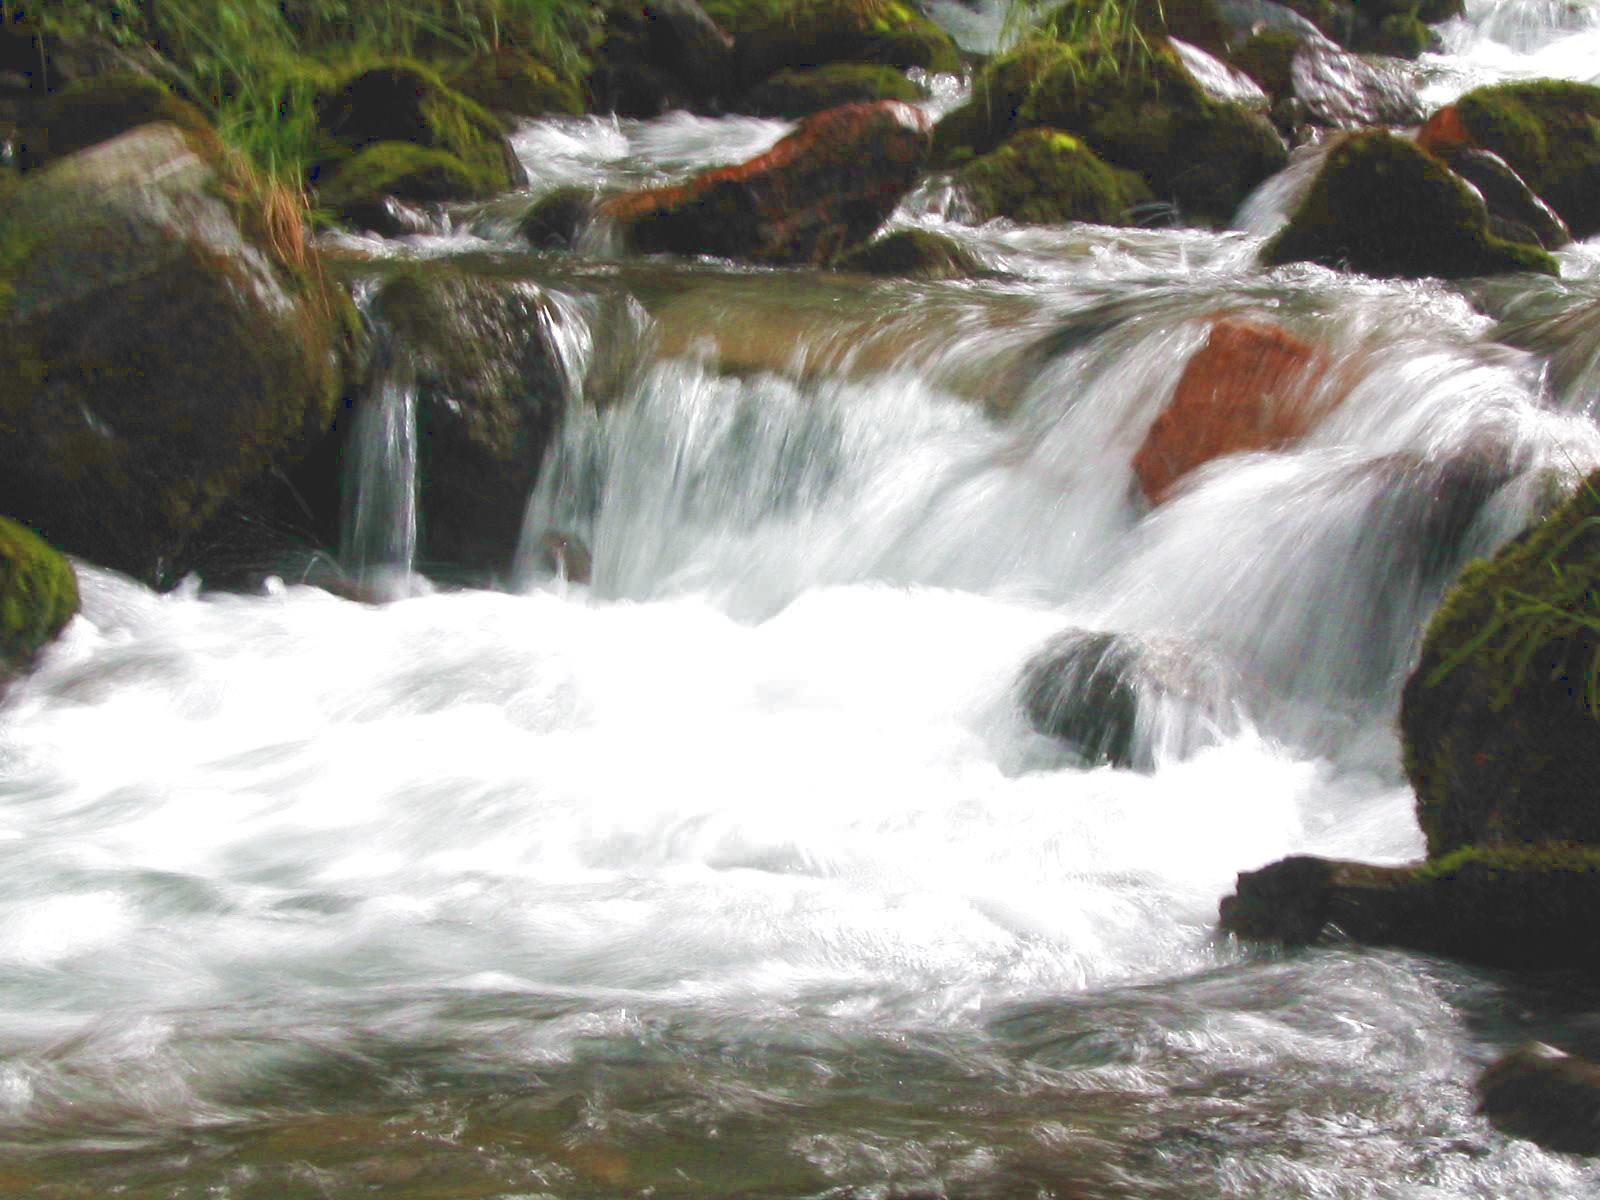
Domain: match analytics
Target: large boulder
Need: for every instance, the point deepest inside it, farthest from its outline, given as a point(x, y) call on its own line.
point(1046, 177)
point(38, 596)
point(775, 35)
point(1499, 720)
point(1515, 213)
point(1252, 386)
point(1319, 84)
point(511, 81)
point(165, 336)
point(799, 93)
point(92, 111)
point(659, 55)
point(1548, 130)
point(1384, 207)
point(1528, 907)
point(490, 394)
point(1126, 701)
point(820, 191)
point(1544, 1095)
point(396, 129)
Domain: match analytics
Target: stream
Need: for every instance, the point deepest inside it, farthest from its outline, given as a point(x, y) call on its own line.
point(737, 869)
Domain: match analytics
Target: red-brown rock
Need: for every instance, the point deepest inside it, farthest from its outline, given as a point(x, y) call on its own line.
point(1444, 132)
point(821, 190)
point(1252, 386)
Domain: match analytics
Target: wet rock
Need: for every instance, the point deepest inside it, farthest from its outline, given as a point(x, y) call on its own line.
point(1220, 80)
point(1509, 199)
point(1252, 386)
point(558, 220)
point(96, 110)
point(1549, 132)
point(1383, 207)
point(399, 130)
point(1248, 18)
point(565, 556)
point(913, 254)
point(1121, 700)
point(34, 66)
point(1544, 1095)
point(776, 35)
point(165, 337)
point(490, 396)
point(1332, 89)
point(1498, 721)
point(820, 191)
point(1046, 177)
point(803, 92)
point(511, 81)
point(1514, 907)
point(38, 596)
point(1569, 341)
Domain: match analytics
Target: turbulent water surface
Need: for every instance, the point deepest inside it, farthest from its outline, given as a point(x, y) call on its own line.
point(737, 869)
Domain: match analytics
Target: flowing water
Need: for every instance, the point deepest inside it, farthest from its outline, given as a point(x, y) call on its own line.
point(736, 869)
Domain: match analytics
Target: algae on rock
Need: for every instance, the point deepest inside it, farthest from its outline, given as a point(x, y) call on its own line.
point(1046, 177)
point(1549, 131)
point(38, 595)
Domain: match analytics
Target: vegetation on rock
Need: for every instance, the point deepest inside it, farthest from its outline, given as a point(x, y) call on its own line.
point(38, 595)
point(1383, 207)
point(803, 92)
point(1549, 131)
point(775, 35)
point(1046, 177)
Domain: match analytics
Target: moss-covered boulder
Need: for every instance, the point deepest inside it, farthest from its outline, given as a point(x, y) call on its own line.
point(490, 394)
point(166, 335)
point(1499, 720)
point(511, 81)
point(38, 596)
point(1046, 177)
point(358, 193)
point(998, 93)
point(913, 254)
point(1326, 86)
point(1203, 23)
point(814, 196)
point(803, 92)
point(95, 110)
point(1549, 131)
point(404, 104)
point(1528, 907)
point(1383, 207)
point(775, 35)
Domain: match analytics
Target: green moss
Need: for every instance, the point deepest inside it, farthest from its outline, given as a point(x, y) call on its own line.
point(404, 101)
point(1428, 223)
point(913, 254)
point(800, 93)
point(1525, 858)
point(1267, 58)
point(1549, 131)
point(403, 170)
point(95, 110)
point(775, 35)
point(998, 93)
point(1197, 21)
point(38, 594)
point(517, 83)
point(1401, 35)
point(1045, 177)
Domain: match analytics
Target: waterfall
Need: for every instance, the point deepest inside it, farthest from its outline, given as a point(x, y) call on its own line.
point(379, 543)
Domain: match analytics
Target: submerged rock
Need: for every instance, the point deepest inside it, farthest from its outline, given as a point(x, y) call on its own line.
point(1544, 1095)
point(1499, 720)
point(1524, 907)
point(1121, 700)
point(38, 596)
point(1046, 177)
point(1383, 207)
point(1252, 386)
point(913, 254)
point(165, 337)
point(820, 191)
point(557, 220)
point(1548, 131)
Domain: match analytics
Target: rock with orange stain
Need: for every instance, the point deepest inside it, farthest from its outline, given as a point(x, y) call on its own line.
point(820, 191)
point(1252, 386)
point(1444, 133)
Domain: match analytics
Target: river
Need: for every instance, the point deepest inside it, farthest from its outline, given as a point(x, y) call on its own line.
point(737, 870)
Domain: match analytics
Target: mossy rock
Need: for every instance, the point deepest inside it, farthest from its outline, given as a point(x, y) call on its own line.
point(166, 336)
point(1399, 35)
point(998, 93)
point(1499, 726)
point(775, 35)
point(1523, 907)
point(38, 595)
point(913, 254)
point(557, 220)
point(513, 82)
point(1268, 58)
point(1137, 107)
point(803, 92)
point(96, 110)
point(404, 102)
point(1549, 131)
point(357, 190)
point(1383, 207)
point(1046, 177)
point(1200, 22)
